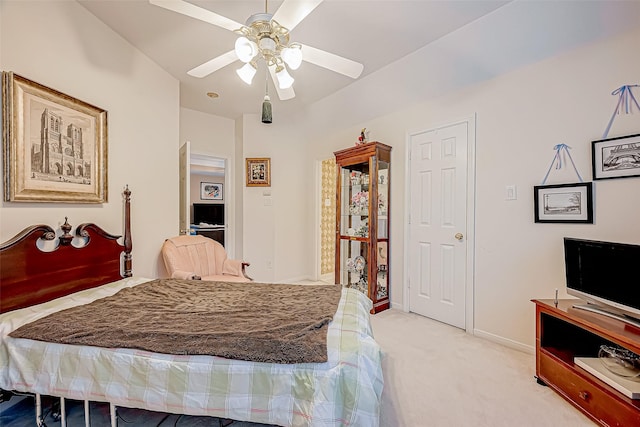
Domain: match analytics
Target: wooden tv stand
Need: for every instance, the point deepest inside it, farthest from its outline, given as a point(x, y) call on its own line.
point(564, 332)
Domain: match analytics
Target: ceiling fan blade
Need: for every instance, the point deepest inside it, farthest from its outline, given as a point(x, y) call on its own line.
point(213, 65)
point(283, 94)
point(292, 12)
point(197, 12)
point(332, 62)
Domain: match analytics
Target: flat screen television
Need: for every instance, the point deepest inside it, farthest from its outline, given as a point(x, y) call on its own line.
point(208, 213)
point(604, 274)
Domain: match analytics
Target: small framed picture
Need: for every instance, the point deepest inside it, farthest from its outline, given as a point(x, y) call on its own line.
point(616, 157)
point(564, 203)
point(210, 191)
point(259, 172)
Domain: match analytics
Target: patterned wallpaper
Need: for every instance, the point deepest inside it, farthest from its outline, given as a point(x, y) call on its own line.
point(328, 217)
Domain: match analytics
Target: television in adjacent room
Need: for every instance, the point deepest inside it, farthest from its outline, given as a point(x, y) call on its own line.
point(606, 275)
point(208, 213)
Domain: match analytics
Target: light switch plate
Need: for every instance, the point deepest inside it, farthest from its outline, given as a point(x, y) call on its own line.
point(511, 192)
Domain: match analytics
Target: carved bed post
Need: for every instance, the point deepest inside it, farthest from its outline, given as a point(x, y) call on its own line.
point(128, 245)
point(66, 238)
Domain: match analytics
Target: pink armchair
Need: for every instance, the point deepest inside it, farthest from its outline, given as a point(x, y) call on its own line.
point(198, 257)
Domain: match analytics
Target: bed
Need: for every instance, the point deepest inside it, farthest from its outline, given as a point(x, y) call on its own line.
point(92, 264)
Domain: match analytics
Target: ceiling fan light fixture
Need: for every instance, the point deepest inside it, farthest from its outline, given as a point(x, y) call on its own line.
point(285, 81)
point(247, 71)
point(292, 56)
point(245, 49)
point(262, 31)
point(267, 47)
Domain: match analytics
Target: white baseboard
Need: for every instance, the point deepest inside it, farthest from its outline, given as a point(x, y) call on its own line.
point(304, 279)
point(329, 277)
point(504, 341)
point(397, 306)
point(296, 279)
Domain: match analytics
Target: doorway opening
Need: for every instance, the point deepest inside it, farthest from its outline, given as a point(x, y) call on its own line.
point(326, 221)
point(205, 189)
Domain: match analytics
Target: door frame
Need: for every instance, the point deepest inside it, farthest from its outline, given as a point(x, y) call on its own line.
point(317, 265)
point(229, 194)
point(471, 214)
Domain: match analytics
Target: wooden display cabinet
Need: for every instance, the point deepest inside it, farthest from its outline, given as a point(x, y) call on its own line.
point(564, 333)
point(362, 225)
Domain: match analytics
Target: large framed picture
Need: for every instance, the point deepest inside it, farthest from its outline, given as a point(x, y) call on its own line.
point(54, 145)
point(210, 191)
point(564, 203)
point(259, 172)
point(616, 157)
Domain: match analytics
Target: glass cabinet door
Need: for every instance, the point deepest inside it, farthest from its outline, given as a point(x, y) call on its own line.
point(354, 226)
point(354, 265)
point(382, 246)
point(354, 221)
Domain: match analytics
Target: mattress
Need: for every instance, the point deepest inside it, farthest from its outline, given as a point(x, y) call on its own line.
point(345, 390)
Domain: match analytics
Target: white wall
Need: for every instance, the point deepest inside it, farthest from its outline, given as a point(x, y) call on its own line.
point(277, 219)
point(63, 46)
point(521, 115)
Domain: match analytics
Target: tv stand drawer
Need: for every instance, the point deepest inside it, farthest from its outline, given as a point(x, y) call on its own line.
point(603, 406)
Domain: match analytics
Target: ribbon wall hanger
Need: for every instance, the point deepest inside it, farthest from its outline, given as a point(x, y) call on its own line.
point(562, 151)
point(626, 100)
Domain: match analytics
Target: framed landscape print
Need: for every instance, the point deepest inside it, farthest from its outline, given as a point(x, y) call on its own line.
point(259, 172)
point(210, 191)
point(564, 203)
point(616, 157)
point(54, 145)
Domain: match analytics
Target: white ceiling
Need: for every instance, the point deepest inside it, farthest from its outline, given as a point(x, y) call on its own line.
point(390, 37)
point(374, 33)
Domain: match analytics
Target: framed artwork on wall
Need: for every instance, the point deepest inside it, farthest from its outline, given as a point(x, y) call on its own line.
point(572, 203)
point(259, 172)
point(54, 145)
point(616, 157)
point(210, 191)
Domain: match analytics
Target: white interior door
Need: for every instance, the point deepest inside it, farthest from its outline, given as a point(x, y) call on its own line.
point(185, 186)
point(438, 221)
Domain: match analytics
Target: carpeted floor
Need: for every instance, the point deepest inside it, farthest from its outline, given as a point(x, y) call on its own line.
point(438, 375)
point(435, 375)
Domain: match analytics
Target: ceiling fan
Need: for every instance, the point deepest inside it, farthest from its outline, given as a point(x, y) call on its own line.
point(266, 36)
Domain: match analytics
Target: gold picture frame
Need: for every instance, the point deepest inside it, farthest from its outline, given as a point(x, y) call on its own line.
point(259, 172)
point(54, 145)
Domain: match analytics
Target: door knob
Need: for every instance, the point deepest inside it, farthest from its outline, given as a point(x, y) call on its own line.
point(458, 236)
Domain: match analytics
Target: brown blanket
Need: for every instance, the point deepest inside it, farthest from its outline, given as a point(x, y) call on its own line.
point(248, 321)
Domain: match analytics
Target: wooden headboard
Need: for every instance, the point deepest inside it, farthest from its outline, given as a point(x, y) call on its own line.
point(29, 275)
